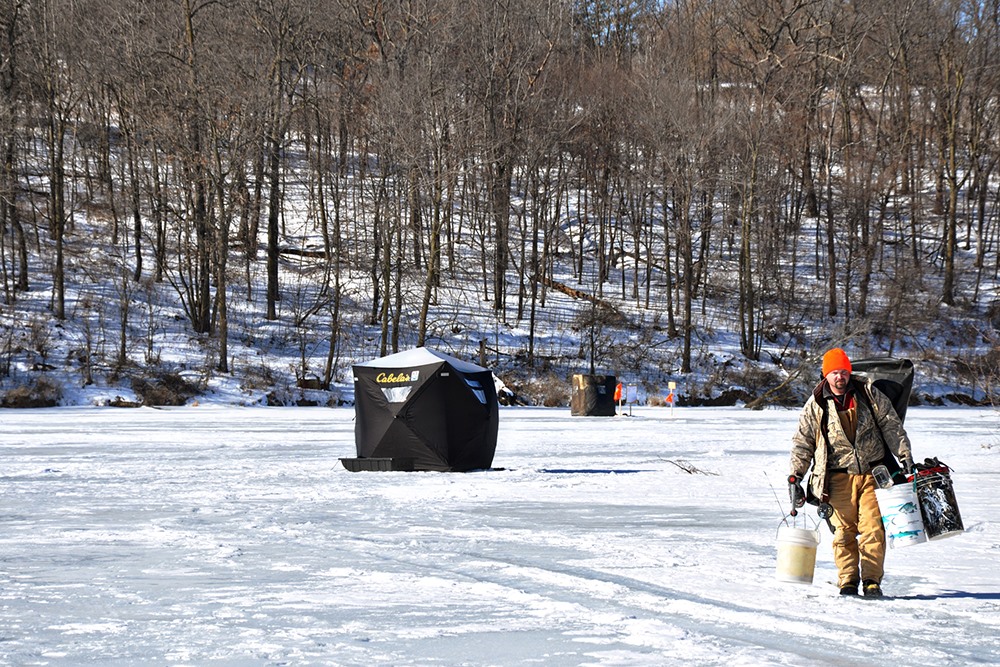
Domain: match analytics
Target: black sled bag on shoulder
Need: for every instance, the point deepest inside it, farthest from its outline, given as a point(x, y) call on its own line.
point(894, 378)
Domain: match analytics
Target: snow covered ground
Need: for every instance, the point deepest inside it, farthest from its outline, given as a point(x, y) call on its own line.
point(233, 536)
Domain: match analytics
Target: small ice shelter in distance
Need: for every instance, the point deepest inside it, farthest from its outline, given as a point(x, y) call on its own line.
point(423, 410)
point(593, 396)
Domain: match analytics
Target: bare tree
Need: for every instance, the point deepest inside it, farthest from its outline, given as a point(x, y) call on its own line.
point(54, 61)
point(11, 17)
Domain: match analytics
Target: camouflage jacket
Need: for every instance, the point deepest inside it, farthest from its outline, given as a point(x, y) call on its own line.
point(809, 447)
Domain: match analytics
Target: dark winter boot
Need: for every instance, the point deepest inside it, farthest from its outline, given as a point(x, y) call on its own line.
point(849, 589)
point(872, 589)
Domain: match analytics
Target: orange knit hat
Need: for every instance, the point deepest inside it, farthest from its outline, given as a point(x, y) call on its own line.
point(835, 360)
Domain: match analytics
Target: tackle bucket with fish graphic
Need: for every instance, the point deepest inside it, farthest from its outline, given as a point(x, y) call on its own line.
point(901, 516)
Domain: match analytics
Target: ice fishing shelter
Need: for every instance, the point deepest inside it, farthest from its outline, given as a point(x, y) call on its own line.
point(425, 409)
point(893, 377)
point(593, 396)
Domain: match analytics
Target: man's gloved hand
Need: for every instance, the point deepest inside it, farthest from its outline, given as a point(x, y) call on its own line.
point(795, 492)
point(906, 463)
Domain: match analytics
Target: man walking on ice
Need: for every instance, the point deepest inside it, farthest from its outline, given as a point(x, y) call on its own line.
point(845, 430)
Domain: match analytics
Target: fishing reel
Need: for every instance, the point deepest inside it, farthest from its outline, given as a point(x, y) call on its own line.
point(825, 511)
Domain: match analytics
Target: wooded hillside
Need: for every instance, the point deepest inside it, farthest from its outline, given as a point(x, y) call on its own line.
point(367, 175)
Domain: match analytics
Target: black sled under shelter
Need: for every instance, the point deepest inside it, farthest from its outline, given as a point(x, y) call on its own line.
point(426, 410)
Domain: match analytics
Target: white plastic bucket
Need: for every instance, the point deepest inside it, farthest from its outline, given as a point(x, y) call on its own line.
point(796, 554)
point(901, 515)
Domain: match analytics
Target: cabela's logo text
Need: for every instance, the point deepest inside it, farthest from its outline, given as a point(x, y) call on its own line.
point(389, 378)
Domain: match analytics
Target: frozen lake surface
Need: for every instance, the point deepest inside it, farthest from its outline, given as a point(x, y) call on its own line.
point(233, 536)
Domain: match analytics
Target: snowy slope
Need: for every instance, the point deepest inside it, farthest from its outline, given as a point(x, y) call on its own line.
point(233, 536)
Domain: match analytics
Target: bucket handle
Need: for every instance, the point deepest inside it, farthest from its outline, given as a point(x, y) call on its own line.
point(794, 516)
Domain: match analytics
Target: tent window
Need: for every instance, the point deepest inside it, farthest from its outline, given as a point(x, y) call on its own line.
point(477, 389)
point(396, 394)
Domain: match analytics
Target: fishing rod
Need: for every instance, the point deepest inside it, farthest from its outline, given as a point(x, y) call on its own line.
point(778, 500)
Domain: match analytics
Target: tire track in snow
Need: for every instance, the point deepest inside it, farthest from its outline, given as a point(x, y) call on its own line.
point(787, 636)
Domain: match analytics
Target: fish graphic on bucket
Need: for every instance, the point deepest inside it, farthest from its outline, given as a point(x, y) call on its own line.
point(901, 517)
